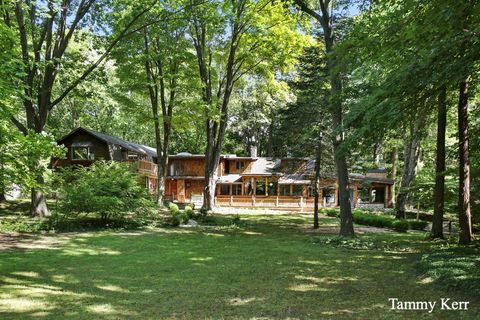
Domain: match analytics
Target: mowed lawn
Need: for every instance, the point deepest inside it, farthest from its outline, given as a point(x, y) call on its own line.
point(270, 268)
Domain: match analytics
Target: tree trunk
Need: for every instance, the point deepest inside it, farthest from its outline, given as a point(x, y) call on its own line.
point(209, 193)
point(270, 138)
point(316, 186)
point(336, 110)
point(438, 209)
point(464, 214)
point(38, 203)
point(412, 151)
point(394, 174)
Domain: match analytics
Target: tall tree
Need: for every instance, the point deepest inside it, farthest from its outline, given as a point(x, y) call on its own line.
point(44, 31)
point(232, 39)
point(324, 17)
point(440, 167)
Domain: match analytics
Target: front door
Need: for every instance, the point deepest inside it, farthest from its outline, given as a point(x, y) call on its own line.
point(181, 191)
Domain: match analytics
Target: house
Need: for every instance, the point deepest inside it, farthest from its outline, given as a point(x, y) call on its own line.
point(251, 182)
point(262, 182)
point(84, 146)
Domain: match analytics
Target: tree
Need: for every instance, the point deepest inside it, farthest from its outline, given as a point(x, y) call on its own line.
point(326, 20)
point(232, 39)
point(44, 32)
point(439, 206)
point(412, 64)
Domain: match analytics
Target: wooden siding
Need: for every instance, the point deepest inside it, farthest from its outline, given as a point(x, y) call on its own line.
point(100, 149)
point(186, 167)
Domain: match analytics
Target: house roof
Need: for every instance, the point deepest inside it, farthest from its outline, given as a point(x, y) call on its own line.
point(229, 178)
point(131, 146)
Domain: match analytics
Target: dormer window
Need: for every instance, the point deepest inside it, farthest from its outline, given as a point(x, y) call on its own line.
point(239, 165)
point(82, 151)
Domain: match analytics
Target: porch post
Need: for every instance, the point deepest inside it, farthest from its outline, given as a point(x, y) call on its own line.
point(266, 186)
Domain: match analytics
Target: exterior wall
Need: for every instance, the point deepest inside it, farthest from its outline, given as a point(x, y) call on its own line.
point(186, 167)
point(247, 167)
point(99, 148)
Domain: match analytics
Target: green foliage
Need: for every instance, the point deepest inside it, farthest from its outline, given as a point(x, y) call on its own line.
point(361, 243)
point(331, 212)
point(400, 225)
point(417, 224)
point(203, 212)
point(361, 217)
point(107, 189)
point(24, 158)
point(189, 212)
point(173, 207)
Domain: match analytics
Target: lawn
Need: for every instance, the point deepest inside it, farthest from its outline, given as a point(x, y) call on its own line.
point(271, 267)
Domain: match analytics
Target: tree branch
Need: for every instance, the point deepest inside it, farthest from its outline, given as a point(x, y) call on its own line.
point(90, 69)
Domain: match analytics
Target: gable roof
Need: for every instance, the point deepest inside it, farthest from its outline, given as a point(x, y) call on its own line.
point(131, 146)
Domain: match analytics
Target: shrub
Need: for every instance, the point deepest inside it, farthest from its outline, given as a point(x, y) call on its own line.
point(189, 212)
point(236, 220)
point(400, 225)
point(372, 220)
point(203, 212)
point(417, 224)
point(331, 212)
point(107, 189)
point(173, 208)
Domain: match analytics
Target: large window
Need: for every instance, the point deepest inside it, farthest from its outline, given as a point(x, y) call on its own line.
point(237, 189)
point(224, 189)
point(82, 153)
point(272, 188)
point(284, 189)
point(297, 190)
point(260, 187)
point(239, 165)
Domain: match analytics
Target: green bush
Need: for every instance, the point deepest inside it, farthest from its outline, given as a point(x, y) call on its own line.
point(173, 208)
point(203, 212)
point(400, 225)
point(189, 212)
point(417, 224)
point(106, 189)
point(372, 220)
point(331, 212)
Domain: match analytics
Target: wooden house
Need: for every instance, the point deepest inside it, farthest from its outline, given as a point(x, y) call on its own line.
point(84, 146)
point(251, 182)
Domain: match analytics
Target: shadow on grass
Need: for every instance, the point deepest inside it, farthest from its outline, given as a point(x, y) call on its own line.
point(272, 272)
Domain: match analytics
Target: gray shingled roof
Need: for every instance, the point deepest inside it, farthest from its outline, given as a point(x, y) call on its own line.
point(131, 146)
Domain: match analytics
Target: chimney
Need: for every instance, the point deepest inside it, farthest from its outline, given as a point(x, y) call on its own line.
point(253, 151)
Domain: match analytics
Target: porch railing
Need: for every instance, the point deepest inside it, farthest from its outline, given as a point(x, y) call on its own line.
point(278, 202)
point(147, 167)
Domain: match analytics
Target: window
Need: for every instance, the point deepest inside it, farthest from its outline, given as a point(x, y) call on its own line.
point(297, 190)
point(237, 189)
point(239, 165)
point(284, 189)
point(132, 156)
point(260, 187)
point(82, 153)
point(224, 189)
point(329, 196)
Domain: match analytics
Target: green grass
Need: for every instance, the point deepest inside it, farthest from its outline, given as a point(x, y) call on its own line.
point(270, 267)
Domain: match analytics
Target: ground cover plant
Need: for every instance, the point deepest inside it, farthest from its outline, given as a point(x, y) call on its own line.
point(270, 266)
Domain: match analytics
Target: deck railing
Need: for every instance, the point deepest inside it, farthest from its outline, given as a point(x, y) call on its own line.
point(274, 202)
point(147, 167)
